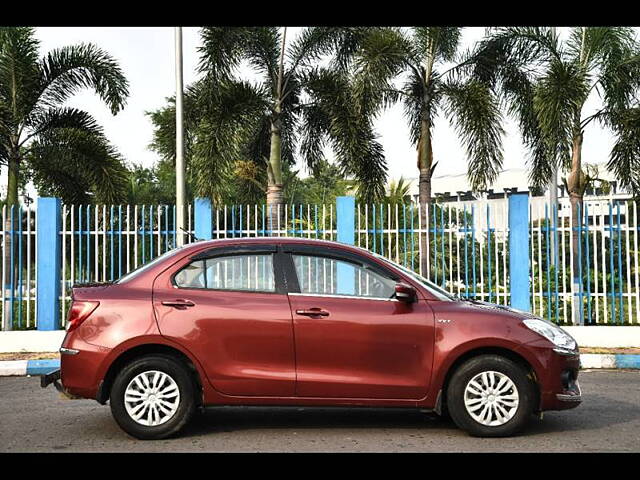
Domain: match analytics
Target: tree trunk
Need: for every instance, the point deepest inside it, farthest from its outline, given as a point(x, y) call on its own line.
point(274, 168)
point(425, 162)
point(575, 183)
point(12, 200)
point(274, 180)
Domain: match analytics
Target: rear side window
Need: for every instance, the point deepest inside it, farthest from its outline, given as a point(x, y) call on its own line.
point(143, 268)
point(247, 272)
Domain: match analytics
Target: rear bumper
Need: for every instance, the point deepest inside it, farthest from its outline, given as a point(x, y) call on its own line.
point(54, 378)
point(81, 366)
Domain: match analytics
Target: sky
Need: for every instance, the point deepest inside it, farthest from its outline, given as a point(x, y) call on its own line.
point(147, 57)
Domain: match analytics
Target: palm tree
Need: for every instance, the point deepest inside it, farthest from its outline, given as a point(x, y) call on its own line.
point(421, 55)
point(547, 83)
point(63, 149)
point(399, 192)
point(292, 104)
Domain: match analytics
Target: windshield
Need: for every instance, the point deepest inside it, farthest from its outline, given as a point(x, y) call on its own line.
point(146, 266)
point(437, 291)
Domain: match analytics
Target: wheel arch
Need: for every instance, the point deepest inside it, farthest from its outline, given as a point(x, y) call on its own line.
point(141, 350)
point(486, 350)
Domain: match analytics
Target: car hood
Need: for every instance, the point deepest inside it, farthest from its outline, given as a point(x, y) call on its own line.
point(500, 308)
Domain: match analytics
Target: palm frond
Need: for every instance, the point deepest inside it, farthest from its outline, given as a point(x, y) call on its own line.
point(558, 99)
point(625, 155)
point(444, 41)
point(40, 121)
point(224, 48)
point(350, 134)
point(475, 112)
point(71, 163)
point(18, 74)
point(66, 70)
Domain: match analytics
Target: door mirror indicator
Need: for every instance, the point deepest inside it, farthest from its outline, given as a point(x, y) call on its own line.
point(405, 293)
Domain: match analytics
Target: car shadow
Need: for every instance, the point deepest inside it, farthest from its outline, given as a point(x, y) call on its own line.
point(230, 419)
point(596, 412)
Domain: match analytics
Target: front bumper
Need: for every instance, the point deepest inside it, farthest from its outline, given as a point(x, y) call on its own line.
point(573, 395)
point(556, 374)
point(562, 388)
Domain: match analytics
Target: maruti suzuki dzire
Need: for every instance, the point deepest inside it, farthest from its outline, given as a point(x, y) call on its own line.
point(287, 321)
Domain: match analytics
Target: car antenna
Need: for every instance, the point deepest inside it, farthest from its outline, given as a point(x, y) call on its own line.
point(191, 235)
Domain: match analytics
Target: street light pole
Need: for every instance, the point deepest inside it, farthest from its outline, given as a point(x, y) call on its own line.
point(180, 197)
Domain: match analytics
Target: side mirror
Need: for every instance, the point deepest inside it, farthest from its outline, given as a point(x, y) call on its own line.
point(405, 293)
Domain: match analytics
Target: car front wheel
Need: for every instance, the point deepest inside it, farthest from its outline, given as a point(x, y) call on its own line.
point(153, 397)
point(490, 396)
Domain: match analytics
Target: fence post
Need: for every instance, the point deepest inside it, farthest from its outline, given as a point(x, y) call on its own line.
point(48, 263)
point(519, 251)
point(346, 233)
point(346, 219)
point(202, 219)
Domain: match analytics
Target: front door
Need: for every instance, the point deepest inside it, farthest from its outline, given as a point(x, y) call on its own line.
point(231, 311)
point(353, 340)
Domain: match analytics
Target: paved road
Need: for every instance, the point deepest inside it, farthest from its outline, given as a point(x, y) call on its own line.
point(32, 419)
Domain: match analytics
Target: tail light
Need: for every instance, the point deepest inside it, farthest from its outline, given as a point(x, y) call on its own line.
point(79, 312)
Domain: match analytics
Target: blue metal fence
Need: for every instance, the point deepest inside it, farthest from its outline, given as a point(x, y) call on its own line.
point(604, 285)
point(513, 250)
point(18, 245)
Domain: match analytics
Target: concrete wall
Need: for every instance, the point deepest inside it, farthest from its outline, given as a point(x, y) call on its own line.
point(600, 336)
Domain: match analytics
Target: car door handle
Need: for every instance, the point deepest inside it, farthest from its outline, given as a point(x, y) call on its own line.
point(313, 312)
point(178, 303)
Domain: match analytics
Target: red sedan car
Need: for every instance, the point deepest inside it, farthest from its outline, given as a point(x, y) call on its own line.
point(284, 321)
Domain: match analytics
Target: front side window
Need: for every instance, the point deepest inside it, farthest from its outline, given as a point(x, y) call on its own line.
point(328, 276)
point(233, 272)
point(438, 292)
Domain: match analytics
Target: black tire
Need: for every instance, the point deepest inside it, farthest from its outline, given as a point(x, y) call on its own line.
point(175, 369)
point(485, 363)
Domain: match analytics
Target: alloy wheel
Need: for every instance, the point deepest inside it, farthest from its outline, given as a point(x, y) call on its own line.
point(152, 398)
point(491, 398)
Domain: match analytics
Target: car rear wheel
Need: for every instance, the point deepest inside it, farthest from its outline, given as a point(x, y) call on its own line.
point(153, 397)
point(490, 396)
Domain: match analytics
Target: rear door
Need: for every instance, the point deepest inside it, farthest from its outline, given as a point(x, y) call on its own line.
point(353, 340)
point(229, 307)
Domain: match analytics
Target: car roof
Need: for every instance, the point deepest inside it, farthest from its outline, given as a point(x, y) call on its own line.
point(202, 244)
point(273, 240)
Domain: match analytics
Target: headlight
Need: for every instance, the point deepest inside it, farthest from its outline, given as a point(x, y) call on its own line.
point(553, 333)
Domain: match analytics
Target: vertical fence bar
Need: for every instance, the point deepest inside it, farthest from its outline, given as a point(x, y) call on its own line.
point(636, 231)
point(473, 249)
point(489, 252)
point(19, 266)
point(12, 261)
point(580, 283)
point(28, 266)
point(554, 227)
point(564, 283)
point(628, 262)
point(587, 259)
point(612, 273)
point(620, 284)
